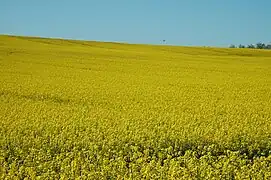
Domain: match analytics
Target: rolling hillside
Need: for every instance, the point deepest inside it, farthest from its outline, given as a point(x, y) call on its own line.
point(72, 109)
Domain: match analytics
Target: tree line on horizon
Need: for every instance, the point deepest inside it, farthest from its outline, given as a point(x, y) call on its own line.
point(252, 46)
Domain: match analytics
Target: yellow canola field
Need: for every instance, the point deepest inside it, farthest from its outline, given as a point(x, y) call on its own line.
point(96, 110)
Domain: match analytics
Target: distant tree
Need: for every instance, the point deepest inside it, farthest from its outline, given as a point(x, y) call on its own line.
point(260, 45)
point(251, 46)
point(241, 46)
point(268, 46)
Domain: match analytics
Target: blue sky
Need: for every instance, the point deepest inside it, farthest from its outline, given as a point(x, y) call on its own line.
point(179, 22)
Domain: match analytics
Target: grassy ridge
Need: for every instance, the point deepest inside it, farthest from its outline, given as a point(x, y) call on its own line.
point(108, 110)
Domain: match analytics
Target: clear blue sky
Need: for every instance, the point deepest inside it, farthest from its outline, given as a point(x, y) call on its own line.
point(179, 22)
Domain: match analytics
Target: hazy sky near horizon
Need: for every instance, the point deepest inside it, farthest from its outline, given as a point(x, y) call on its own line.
point(179, 22)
